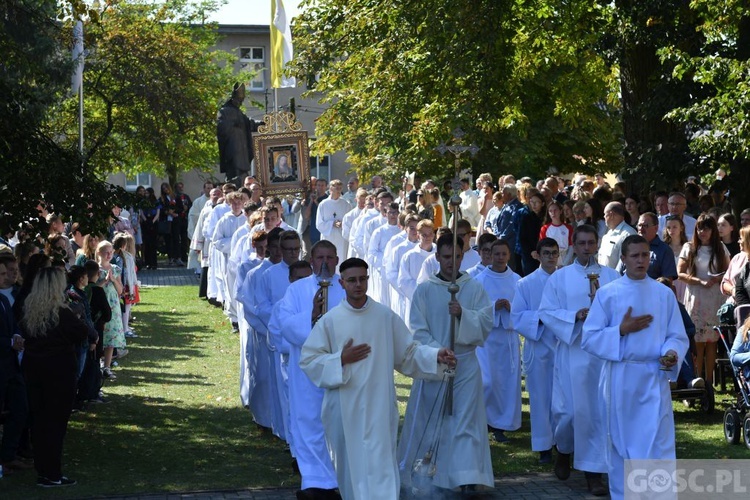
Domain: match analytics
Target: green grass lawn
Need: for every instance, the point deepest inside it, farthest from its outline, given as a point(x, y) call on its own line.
point(174, 421)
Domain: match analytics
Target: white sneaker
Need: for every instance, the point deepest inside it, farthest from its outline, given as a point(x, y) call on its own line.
point(698, 383)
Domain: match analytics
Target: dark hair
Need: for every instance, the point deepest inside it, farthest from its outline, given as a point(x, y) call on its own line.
point(351, 263)
point(447, 239)
point(92, 269)
point(75, 273)
point(718, 262)
point(732, 221)
point(385, 194)
point(36, 262)
point(546, 243)
point(274, 234)
point(633, 239)
point(245, 191)
point(585, 228)
point(652, 217)
point(300, 264)
point(485, 238)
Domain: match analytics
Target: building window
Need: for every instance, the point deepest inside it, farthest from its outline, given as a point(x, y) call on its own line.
point(132, 183)
point(253, 59)
point(320, 167)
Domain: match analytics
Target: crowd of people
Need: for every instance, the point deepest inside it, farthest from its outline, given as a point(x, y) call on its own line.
point(530, 258)
point(65, 303)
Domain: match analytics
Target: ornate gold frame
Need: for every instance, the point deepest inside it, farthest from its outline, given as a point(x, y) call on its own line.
point(281, 135)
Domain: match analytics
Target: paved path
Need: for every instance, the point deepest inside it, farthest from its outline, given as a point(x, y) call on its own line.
point(514, 487)
point(168, 276)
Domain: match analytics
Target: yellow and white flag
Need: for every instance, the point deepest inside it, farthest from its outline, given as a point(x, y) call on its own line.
point(281, 46)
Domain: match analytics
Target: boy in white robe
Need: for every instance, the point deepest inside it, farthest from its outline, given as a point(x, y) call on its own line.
point(500, 356)
point(376, 253)
point(635, 326)
point(411, 263)
point(576, 402)
point(359, 407)
point(330, 215)
point(247, 355)
point(463, 459)
point(538, 348)
point(484, 245)
point(302, 304)
point(394, 251)
point(262, 377)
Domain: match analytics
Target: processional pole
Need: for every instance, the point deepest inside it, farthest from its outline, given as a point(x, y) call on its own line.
point(457, 149)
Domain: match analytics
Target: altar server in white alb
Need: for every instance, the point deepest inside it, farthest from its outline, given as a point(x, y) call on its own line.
point(500, 356)
point(301, 306)
point(538, 348)
point(352, 352)
point(463, 457)
point(635, 326)
point(376, 252)
point(576, 402)
point(330, 215)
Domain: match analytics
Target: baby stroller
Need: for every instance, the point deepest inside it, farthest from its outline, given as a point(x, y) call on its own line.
point(737, 416)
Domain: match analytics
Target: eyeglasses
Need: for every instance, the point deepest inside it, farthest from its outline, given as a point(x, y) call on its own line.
point(354, 280)
point(554, 253)
point(644, 225)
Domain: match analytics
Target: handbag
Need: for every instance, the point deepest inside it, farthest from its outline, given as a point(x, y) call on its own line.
point(725, 313)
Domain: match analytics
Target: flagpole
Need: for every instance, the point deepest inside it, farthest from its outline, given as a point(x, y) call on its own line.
point(275, 108)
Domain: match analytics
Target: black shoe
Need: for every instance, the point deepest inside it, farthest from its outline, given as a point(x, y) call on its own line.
point(595, 484)
point(48, 483)
point(545, 457)
point(562, 466)
point(235, 328)
point(295, 467)
point(499, 436)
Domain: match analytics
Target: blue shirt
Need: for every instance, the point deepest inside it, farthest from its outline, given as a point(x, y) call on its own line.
point(505, 227)
point(662, 261)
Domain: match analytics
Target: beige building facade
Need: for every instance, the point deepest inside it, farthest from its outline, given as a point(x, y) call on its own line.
point(251, 44)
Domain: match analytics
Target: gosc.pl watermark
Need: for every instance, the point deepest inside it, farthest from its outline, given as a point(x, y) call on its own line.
point(687, 479)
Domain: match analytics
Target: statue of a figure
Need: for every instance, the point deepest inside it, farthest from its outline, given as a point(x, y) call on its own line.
point(234, 134)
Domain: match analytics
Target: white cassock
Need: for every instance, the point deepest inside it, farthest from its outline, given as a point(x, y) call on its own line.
point(200, 241)
point(464, 448)
point(215, 260)
point(369, 229)
point(538, 356)
point(193, 216)
point(375, 256)
point(247, 354)
point(408, 271)
point(359, 413)
point(474, 271)
point(470, 207)
point(576, 404)
point(282, 374)
point(329, 211)
point(358, 231)
point(305, 399)
point(391, 257)
point(259, 367)
point(273, 284)
point(225, 229)
point(347, 226)
point(636, 393)
point(500, 356)
point(238, 253)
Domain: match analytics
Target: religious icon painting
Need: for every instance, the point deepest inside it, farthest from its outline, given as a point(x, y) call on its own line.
point(282, 162)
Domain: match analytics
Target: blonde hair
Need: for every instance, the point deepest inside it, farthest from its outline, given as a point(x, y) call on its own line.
point(101, 246)
point(745, 328)
point(124, 241)
point(41, 309)
point(86, 250)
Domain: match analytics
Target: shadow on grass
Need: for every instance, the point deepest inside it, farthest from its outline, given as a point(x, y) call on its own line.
point(173, 421)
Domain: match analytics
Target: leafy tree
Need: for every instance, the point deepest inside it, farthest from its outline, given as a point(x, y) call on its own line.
point(720, 132)
point(152, 89)
point(36, 170)
point(400, 76)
